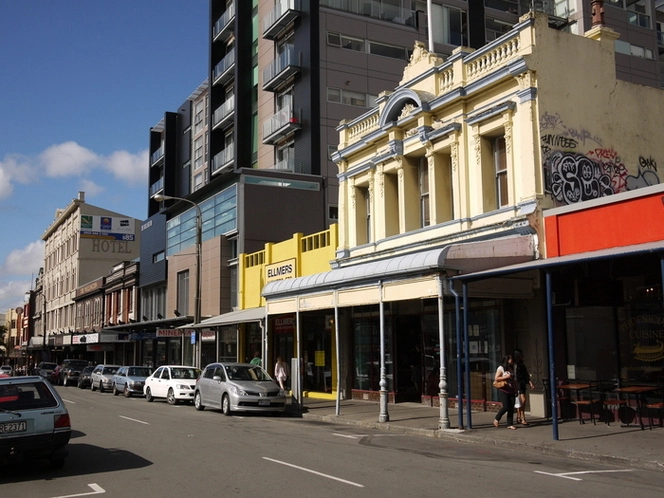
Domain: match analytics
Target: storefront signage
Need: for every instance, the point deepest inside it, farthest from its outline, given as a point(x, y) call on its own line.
point(280, 271)
point(84, 339)
point(208, 335)
point(174, 332)
point(142, 336)
point(646, 337)
point(284, 324)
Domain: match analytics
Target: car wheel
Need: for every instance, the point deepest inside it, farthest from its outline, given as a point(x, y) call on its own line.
point(115, 390)
point(226, 405)
point(101, 387)
point(126, 392)
point(148, 395)
point(197, 402)
point(57, 463)
point(170, 397)
point(92, 386)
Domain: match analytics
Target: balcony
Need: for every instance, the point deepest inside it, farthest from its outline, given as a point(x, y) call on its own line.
point(223, 160)
point(282, 124)
point(223, 115)
point(157, 155)
point(157, 186)
point(223, 71)
point(375, 9)
point(281, 69)
point(224, 24)
point(287, 164)
point(284, 13)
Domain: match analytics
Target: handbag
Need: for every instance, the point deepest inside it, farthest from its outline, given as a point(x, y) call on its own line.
point(500, 384)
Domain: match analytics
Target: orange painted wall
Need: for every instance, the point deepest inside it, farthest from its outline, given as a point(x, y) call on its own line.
point(633, 221)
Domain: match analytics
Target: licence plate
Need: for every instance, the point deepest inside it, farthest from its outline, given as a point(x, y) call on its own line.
point(263, 402)
point(8, 427)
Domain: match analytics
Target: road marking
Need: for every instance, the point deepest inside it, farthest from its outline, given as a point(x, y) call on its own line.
point(314, 472)
point(567, 475)
point(67, 401)
point(357, 436)
point(96, 490)
point(134, 420)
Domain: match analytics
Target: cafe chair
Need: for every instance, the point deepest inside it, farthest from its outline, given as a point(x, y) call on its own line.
point(591, 399)
point(611, 401)
point(656, 405)
point(562, 401)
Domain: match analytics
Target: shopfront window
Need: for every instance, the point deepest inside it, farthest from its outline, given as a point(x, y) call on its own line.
point(366, 336)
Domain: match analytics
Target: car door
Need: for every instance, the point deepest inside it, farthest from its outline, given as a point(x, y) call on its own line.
point(120, 379)
point(217, 386)
point(153, 381)
point(203, 384)
point(161, 385)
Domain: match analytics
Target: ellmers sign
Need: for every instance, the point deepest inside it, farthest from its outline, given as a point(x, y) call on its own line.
point(280, 271)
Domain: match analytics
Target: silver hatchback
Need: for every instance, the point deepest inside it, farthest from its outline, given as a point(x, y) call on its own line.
point(234, 387)
point(34, 422)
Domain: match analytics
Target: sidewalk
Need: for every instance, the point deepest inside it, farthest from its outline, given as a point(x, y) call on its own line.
point(621, 446)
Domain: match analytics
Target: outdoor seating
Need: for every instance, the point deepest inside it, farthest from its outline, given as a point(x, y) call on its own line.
point(611, 400)
point(562, 400)
point(586, 396)
point(655, 405)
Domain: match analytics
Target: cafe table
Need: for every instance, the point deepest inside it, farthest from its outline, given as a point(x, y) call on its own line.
point(638, 393)
point(576, 388)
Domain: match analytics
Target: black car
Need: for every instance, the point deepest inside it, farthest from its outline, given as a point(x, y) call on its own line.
point(70, 371)
point(85, 379)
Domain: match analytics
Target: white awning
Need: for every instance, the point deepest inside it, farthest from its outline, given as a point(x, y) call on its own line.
point(462, 257)
point(230, 318)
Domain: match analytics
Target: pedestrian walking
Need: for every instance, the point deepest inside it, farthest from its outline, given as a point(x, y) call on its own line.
point(523, 381)
point(504, 382)
point(281, 372)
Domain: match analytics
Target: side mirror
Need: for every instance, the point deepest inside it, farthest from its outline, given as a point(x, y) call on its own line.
point(217, 378)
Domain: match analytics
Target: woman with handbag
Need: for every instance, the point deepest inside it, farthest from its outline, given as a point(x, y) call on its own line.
point(504, 382)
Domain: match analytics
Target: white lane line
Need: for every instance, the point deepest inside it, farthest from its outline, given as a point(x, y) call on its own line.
point(315, 472)
point(134, 420)
point(567, 475)
point(67, 401)
point(356, 436)
point(96, 490)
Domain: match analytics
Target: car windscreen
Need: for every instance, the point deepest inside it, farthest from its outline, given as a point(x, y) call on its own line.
point(77, 364)
point(184, 373)
point(240, 372)
point(88, 370)
point(26, 396)
point(139, 372)
point(48, 366)
point(110, 370)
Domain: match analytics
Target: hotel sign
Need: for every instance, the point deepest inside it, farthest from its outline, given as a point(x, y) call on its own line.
point(280, 271)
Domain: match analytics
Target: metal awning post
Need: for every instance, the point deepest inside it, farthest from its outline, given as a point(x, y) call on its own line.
point(552, 356)
point(466, 351)
point(384, 415)
point(338, 355)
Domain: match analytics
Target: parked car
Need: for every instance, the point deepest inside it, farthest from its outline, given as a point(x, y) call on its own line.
point(7, 370)
point(238, 387)
point(45, 369)
point(102, 377)
point(34, 422)
point(173, 382)
point(130, 380)
point(70, 371)
point(85, 379)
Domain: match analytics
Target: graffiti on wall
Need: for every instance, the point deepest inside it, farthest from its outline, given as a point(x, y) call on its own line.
point(578, 167)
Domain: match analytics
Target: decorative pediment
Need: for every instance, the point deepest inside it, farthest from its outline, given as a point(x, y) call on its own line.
point(420, 61)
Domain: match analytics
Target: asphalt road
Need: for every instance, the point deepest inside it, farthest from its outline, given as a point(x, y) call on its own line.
point(128, 447)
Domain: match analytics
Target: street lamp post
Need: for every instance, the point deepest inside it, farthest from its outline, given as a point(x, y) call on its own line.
point(197, 297)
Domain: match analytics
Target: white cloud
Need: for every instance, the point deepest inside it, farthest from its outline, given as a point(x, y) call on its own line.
point(12, 294)
point(90, 188)
point(130, 168)
point(15, 169)
point(68, 159)
point(25, 261)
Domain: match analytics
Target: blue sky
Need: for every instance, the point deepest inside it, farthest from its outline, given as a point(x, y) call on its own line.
point(82, 83)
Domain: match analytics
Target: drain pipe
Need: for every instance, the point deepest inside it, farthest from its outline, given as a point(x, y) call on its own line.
point(458, 354)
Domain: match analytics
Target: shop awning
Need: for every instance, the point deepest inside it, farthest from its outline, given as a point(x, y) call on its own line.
point(463, 257)
point(230, 318)
point(613, 252)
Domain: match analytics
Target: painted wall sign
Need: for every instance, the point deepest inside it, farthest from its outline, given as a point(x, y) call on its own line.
point(280, 271)
point(107, 227)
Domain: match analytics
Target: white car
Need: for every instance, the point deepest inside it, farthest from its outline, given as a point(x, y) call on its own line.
point(173, 382)
point(102, 377)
